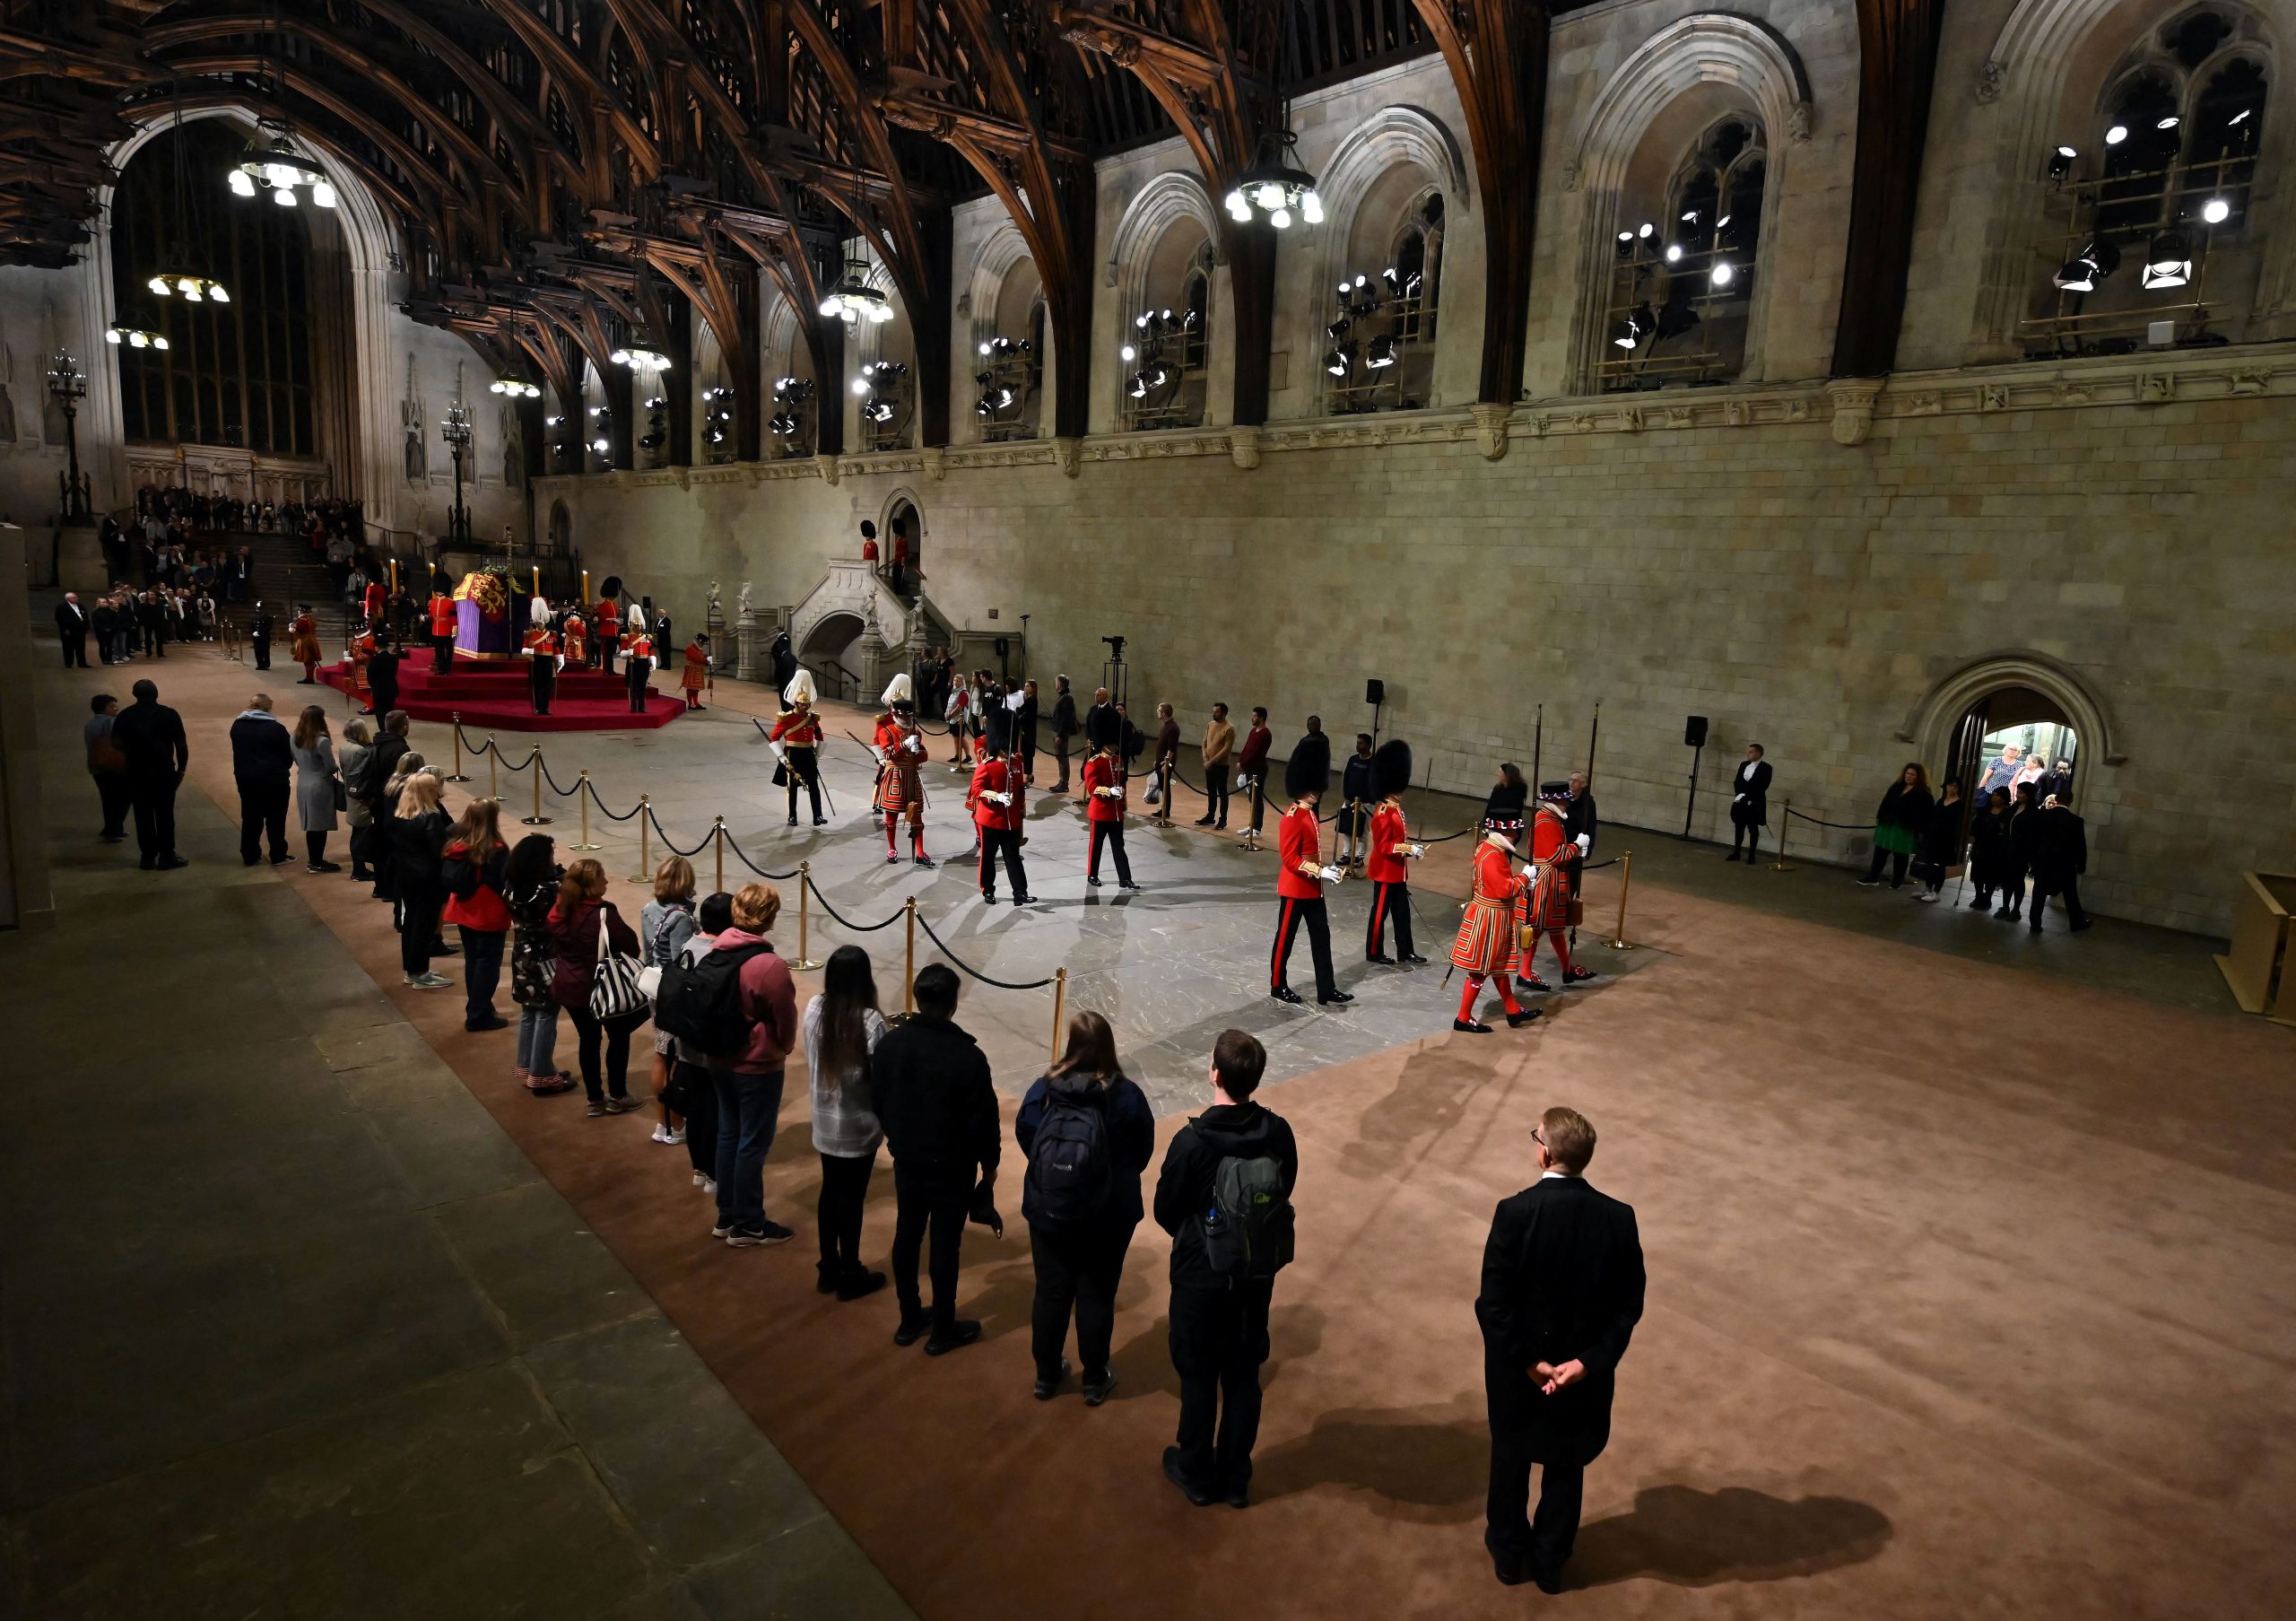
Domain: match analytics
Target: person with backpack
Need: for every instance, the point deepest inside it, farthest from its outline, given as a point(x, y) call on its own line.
point(664, 924)
point(1225, 1196)
point(1087, 1133)
point(474, 870)
point(842, 1028)
point(749, 1027)
point(530, 888)
point(689, 1093)
point(937, 1102)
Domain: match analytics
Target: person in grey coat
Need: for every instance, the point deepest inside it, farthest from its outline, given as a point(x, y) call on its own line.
point(314, 787)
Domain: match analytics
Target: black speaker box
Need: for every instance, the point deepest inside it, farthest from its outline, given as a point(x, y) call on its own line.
point(1695, 732)
point(1374, 691)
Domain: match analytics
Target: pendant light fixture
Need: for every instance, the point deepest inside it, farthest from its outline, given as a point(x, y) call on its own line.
point(176, 278)
point(1275, 187)
point(273, 164)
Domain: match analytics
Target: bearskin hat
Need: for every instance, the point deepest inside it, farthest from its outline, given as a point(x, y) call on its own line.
point(1308, 770)
point(1390, 769)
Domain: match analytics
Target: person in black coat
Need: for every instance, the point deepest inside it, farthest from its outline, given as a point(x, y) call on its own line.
point(1508, 799)
point(1064, 727)
point(1563, 1285)
point(1024, 731)
point(2059, 843)
point(263, 765)
point(382, 680)
point(1994, 861)
point(1080, 1256)
point(71, 631)
point(1219, 1325)
point(417, 829)
point(259, 629)
point(1940, 844)
point(1749, 804)
point(150, 736)
point(938, 1103)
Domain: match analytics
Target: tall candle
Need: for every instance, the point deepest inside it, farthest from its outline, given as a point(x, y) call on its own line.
point(586, 587)
point(537, 579)
point(393, 576)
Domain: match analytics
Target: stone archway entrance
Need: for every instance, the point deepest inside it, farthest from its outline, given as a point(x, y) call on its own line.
point(832, 651)
point(2016, 734)
point(1968, 720)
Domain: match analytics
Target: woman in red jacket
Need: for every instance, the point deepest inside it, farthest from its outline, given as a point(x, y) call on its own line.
point(473, 862)
point(1104, 802)
point(582, 911)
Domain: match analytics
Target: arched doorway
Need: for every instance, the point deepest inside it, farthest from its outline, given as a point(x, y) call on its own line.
point(2017, 735)
point(832, 651)
point(561, 529)
point(905, 535)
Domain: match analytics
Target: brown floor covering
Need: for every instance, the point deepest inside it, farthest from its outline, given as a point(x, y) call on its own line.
point(1934, 1331)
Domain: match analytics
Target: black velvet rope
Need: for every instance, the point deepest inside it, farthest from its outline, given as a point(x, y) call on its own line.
point(846, 923)
point(968, 968)
point(1847, 827)
point(754, 867)
point(563, 793)
point(663, 833)
point(601, 804)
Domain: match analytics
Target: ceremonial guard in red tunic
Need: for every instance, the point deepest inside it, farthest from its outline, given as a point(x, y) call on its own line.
point(796, 736)
point(1104, 807)
point(998, 799)
point(1301, 875)
point(901, 786)
point(695, 673)
point(542, 666)
point(304, 646)
point(1485, 947)
point(637, 646)
point(574, 638)
point(1545, 907)
point(442, 631)
point(609, 633)
point(1391, 847)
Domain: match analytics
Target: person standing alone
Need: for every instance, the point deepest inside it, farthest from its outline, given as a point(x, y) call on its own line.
point(263, 765)
point(1749, 805)
point(1225, 1196)
point(1064, 727)
point(1562, 1286)
point(1219, 748)
point(71, 631)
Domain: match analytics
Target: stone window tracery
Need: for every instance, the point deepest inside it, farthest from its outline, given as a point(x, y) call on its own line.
point(1684, 265)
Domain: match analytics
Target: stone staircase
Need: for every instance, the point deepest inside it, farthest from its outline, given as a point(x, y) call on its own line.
point(287, 572)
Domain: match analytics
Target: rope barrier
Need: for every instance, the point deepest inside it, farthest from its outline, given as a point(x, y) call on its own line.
point(849, 925)
point(754, 867)
point(968, 968)
point(601, 804)
point(563, 793)
point(1847, 827)
point(669, 844)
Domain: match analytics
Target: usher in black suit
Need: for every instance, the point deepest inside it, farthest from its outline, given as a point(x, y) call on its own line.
point(1749, 807)
point(1561, 1281)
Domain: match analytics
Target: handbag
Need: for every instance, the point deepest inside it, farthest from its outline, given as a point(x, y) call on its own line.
point(342, 794)
point(650, 977)
point(614, 990)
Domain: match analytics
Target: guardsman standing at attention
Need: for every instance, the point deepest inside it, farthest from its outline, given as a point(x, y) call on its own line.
point(1544, 908)
point(609, 633)
point(640, 647)
point(1485, 947)
point(695, 673)
point(900, 785)
point(997, 797)
point(303, 644)
point(442, 627)
point(1301, 875)
point(1104, 792)
point(796, 736)
point(1391, 847)
point(542, 666)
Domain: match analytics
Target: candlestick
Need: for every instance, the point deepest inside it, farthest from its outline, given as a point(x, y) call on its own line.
point(586, 587)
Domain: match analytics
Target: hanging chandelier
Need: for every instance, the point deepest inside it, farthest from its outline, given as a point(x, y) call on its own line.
point(192, 289)
point(1275, 189)
point(181, 282)
point(517, 387)
point(853, 300)
point(284, 172)
point(639, 360)
point(135, 338)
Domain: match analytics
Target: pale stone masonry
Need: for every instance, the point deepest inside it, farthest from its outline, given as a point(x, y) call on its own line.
point(1813, 595)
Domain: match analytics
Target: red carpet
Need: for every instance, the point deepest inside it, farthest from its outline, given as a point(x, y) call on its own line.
point(494, 696)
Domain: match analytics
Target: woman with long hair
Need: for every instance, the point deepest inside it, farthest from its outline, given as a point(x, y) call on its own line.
point(476, 867)
point(664, 924)
point(314, 787)
point(581, 911)
point(418, 833)
point(1510, 801)
point(1087, 1132)
point(1898, 825)
point(1941, 839)
point(530, 881)
point(841, 1028)
point(358, 744)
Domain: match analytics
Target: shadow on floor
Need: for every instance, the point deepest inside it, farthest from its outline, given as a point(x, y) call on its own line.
point(1427, 1464)
point(1689, 1537)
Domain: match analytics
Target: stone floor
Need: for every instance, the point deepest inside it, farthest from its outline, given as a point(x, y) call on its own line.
point(1941, 1323)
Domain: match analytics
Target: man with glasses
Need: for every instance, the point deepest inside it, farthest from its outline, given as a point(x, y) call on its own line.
point(1562, 1288)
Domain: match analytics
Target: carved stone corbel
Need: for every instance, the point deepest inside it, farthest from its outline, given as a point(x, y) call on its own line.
point(827, 465)
point(1068, 456)
point(1853, 400)
point(1491, 429)
point(1243, 446)
point(936, 462)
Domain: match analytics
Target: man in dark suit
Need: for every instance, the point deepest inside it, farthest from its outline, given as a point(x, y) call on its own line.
point(2060, 855)
point(263, 766)
point(1579, 825)
point(149, 737)
point(382, 681)
point(1749, 804)
point(259, 629)
point(1562, 1292)
point(71, 631)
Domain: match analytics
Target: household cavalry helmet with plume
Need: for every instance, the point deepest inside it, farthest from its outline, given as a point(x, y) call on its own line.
point(800, 689)
point(897, 694)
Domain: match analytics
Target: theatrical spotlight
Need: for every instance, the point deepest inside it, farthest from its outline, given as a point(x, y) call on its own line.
point(2215, 211)
point(2060, 162)
point(1340, 360)
point(2085, 269)
point(1631, 329)
point(2167, 262)
point(1381, 352)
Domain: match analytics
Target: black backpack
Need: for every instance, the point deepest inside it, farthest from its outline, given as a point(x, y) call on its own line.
point(461, 874)
point(1068, 1164)
point(701, 1001)
point(1247, 1230)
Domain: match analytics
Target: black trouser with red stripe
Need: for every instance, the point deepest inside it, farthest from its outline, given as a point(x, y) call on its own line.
point(1007, 840)
point(1390, 901)
point(1111, 833)
point(1293, 914)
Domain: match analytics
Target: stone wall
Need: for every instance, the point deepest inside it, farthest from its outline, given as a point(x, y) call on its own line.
point(2121, 528)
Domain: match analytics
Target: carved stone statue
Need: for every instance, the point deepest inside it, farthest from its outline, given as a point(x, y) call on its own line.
point(743, 614)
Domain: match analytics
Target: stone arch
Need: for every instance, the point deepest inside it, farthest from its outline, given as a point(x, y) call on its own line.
point(1167, 198)
point(2028, 75)
point(1705, 49)
point(1930, 726)
point(560, 531)
point(896, 498)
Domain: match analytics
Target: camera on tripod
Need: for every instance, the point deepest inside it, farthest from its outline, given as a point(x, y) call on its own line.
point(1115, 646)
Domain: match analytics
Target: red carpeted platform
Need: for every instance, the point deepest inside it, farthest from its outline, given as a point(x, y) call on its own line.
point(494, 696)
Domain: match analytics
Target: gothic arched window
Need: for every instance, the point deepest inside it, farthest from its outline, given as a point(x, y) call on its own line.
point(1382, 333)
point(1682, 275)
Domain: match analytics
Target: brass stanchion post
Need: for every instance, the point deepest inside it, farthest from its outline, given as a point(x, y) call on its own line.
point(1785, 828)
point(493, 776)
point(805, 918)
point(908, 966)
point(644, 875)
point(718, 839)
point(533, 764)
point(457, 722)
point(1059, 1008)
point(1619, 942)
point(582, 798)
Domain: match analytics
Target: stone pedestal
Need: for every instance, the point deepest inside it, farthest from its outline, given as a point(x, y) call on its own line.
point(745, 631)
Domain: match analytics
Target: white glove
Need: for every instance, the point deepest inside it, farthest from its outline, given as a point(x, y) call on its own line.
point(1585, 841)
point(780, 753)
point(878, 755)
point(1415, 851)
point(1529, 871)
point(995, 797)
point(1332, 875)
